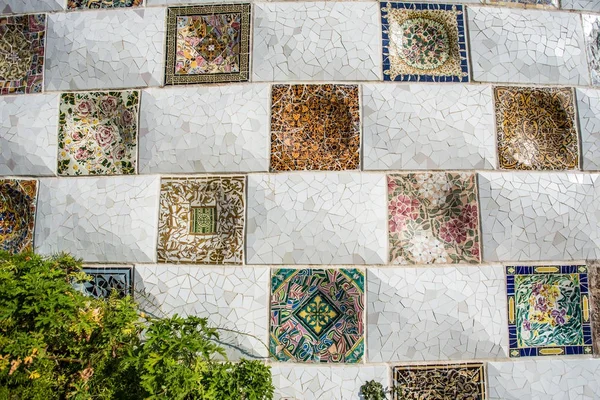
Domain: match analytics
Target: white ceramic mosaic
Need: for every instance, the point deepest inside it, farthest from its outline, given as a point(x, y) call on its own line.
point(587, 5)
point(26, 6)
point(588, 106)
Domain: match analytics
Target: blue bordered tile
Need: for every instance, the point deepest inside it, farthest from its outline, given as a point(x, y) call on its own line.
point(106, 279)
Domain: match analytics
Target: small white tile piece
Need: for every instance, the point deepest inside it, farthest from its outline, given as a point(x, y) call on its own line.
point(583, 5)
point(31, 6)
point(438, 313)
point(316, 218)
point(230, 298)
point(28, 134)
point(414, 126)
point(323, 41)
point(301, 382)
point(205, 129)
point(544, 379)
point(526, 46)
point(588, 108)
point(98, 219)
point(539, 216)
point(105, 49)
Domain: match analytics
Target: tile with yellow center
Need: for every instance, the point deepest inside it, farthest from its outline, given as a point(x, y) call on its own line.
point(317, 315)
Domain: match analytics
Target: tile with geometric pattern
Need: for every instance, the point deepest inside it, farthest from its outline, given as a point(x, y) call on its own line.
point(104, 280)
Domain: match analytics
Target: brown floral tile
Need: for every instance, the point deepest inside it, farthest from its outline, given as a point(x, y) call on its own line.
point(536, 128)
point(594, 288)
point(17, 214)
point(433, 218)
point(201, 220)
point(315, 127)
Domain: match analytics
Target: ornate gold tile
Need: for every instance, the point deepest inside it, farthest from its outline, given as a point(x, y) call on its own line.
point(463, 381)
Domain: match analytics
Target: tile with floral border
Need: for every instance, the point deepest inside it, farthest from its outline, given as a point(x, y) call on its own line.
point(201, 220)
point(433, 218)
point(317, 315)
point(97, 133)
point(22, 39)
point(424, 42)
point(94, 4)
point(548, 310)
point(17, 214)
point(208, 44)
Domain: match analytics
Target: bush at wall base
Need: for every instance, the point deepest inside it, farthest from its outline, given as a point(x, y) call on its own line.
point(57, 343)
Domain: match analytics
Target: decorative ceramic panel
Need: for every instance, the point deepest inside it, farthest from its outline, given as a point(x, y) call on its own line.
point(594, 288)
point(440, 381)
point(17, 214)
point(548, 310)
point(315, 127)
point(583, 5)
point(97, 133)
point(317, 315)
point(201, 220)
point(106, 279)
point(526, 3)
point(536, 128)
point(433, 218)
point(591, 31)
point(91, 4)
point(22, 41)
point(424, 42)
point(208, 44)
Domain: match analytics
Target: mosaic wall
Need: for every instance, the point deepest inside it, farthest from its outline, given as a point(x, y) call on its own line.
point(404, 192)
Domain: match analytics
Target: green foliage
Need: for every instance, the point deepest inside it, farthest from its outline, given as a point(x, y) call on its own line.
point(373, 390)
point(57, 343)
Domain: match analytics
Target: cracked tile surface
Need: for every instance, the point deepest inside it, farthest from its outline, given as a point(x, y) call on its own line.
point(316, 41)
point(81, 62)
point(594, 288)
point(448, 313)
point(316, 218)
point(182, 136)
point(591, 32)
point(28, 141)
point(26, 6)
point(230, 297)
point(17, 214)
point(98, 219)
point(526, 3)
point(412, 127)
point(526, 46)
point(583, 5)
point(588, 110)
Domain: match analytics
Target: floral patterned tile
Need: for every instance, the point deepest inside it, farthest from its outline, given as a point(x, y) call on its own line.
point(317, 315)
point(97, 133)
point(201, 220)
point(91, 4)
point(17, 214)
point(548, 310)
point(591, 31)
point(536, 128)
point(462, 381)
point(433, 218)
point(424, 42)
point(208, 44)
point(22, 53)
point(315, 127)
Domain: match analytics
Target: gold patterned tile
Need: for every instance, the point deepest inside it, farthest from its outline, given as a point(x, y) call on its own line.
point(462, 381)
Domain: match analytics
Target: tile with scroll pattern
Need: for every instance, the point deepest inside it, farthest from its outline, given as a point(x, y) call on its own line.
point(97, 133)
point(201, 220)
point(424, 42)
point(208, 44)
point(104, 280)
point(22, 39)
point(91, 4)
point(433, 218)
point(536, 128)
point(548, 310)
point(17, 214)
point(315, 127)
point(591, 32)
point(461, 381)
point(317, 315)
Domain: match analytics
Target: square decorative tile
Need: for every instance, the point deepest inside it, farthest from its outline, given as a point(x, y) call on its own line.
point(433, 218)
point(526, 3)
point(106, 279)
point(548, 310)
point(464, 381)
point(97, 133)
point(22, 53)
point(424, 42)
point(315, 127)
point(536, 128)
point(594, 288)
point(317, 315)
point(591, 31)
point(208, 44)
point(201, 220)
point(17, 214)
point(91, 4)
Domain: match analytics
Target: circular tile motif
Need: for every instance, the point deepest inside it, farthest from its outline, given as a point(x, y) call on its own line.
point(423, 43)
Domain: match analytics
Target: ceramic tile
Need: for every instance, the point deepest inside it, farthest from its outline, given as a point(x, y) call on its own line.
point(433, 218)
point(201, 220)
point(594, 288)
point(92, 4)
point(17, 214)
point(28, 6)
point(105, 279)
point(591, 32)
point(317, 315)
point(548, 310)
point(22, 41)
point(441, 381)
point(588, 112)
point(536, 128)
point(97, 133)
point(583, 5)
point(526, 3)
point(208, 44)
point(315, 127)
point(424, 42)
